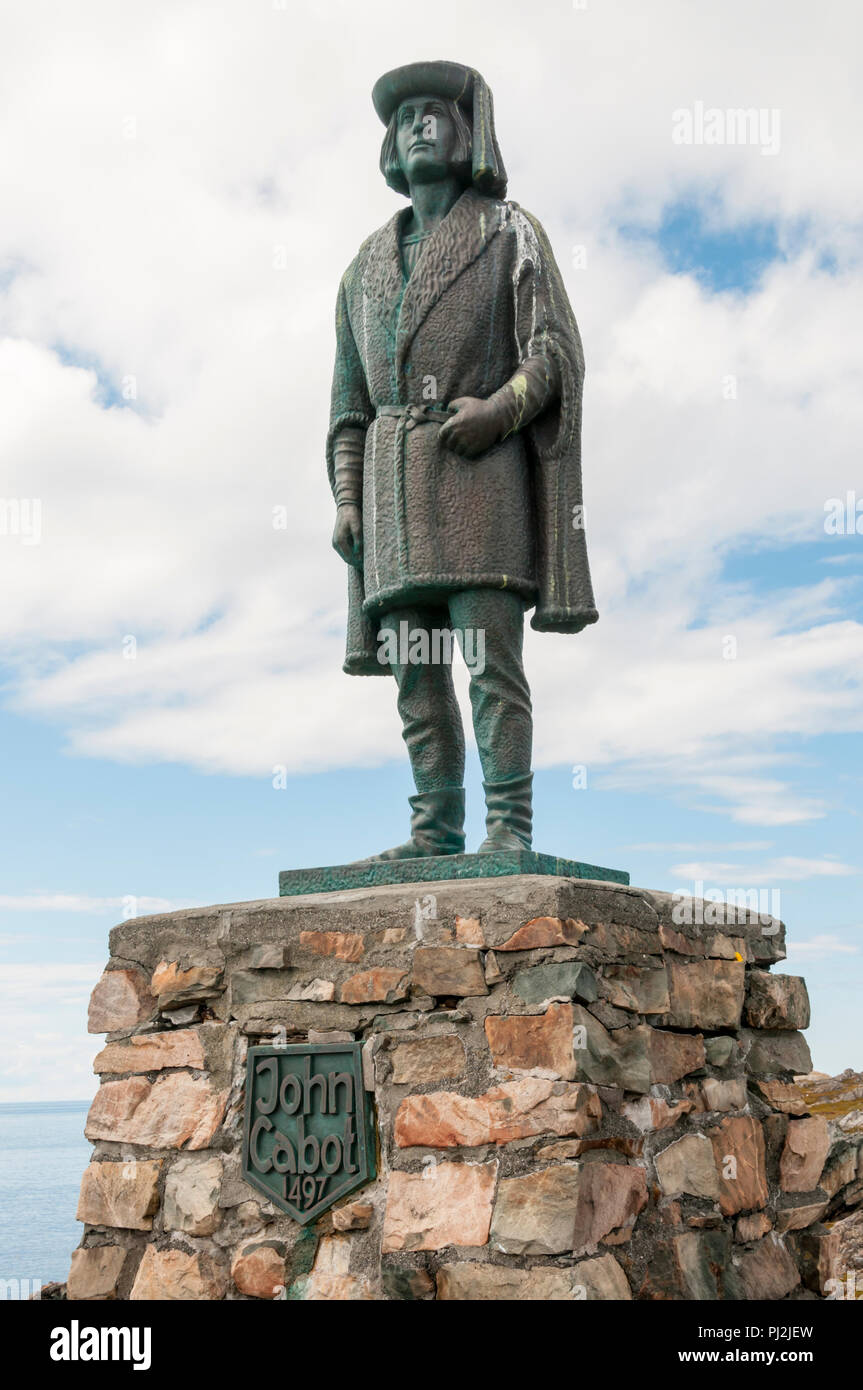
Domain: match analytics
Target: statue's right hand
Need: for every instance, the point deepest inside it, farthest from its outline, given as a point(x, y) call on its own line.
point(348, 535)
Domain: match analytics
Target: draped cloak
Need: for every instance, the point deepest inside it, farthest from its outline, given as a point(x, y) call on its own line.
point(485, 295)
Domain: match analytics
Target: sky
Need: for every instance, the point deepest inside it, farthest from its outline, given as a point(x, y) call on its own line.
point(185, 184)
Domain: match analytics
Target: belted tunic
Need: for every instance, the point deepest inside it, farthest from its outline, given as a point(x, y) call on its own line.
point(484, 296)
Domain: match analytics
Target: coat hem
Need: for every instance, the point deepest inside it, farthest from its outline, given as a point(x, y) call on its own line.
point(362, 664)
point(421, 586)
point(567, 620)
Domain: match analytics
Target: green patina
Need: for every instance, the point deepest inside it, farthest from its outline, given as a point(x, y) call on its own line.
point(308, 1132)
point(455, 415)
point(438, 869)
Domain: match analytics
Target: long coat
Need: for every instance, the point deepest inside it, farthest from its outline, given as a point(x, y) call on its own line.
point(485, 294)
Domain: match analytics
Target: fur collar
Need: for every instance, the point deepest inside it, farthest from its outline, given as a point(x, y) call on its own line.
point(463, 235)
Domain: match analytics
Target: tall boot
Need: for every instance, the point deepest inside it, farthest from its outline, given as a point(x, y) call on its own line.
point(509, 819)
point(437, 826)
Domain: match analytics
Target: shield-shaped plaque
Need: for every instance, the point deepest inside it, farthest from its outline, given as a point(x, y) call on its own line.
point(308, 1136)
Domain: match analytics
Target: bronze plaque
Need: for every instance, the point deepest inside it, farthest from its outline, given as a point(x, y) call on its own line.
point(308, 1135)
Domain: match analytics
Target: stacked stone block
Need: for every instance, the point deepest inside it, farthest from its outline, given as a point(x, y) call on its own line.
point(578, 1096)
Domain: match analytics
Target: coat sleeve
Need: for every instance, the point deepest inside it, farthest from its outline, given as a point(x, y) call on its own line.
point(349, 401)
point(545, 324)
point(350, 405)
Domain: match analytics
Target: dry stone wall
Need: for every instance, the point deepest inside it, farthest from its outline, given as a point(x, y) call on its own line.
point(577, 1096)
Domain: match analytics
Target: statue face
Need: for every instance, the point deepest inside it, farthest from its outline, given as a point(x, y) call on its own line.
point(426, 139)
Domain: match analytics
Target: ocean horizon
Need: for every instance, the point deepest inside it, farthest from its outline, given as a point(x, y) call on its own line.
point(43, 1154)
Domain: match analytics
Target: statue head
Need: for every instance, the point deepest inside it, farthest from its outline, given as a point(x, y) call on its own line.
point(440, 120)
point(428, 138)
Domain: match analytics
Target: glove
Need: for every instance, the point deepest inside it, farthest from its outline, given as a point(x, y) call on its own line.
point(477, 425)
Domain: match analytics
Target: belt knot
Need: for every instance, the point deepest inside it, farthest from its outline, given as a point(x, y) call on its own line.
point(416, 414)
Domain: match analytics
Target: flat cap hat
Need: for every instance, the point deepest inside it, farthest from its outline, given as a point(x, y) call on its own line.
point(459, 83)
point(438, 79)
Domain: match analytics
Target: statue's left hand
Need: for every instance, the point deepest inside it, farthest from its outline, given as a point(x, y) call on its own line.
point(474, 428)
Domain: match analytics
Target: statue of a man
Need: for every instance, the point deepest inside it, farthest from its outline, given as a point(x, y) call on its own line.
point(454, 451)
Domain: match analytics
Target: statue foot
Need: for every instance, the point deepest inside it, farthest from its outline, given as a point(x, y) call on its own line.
point(411, 849)
point(502, 838)
point(437, 827)
point(509, 821)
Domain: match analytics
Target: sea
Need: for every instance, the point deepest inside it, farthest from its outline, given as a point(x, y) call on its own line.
point(43, 1154)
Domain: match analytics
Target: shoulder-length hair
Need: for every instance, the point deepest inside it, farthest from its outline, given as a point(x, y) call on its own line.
point(462, 158)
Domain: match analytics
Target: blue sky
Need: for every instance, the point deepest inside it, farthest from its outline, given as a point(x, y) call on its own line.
point(151, 779)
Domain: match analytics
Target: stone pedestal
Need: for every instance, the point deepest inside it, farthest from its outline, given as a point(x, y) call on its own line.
point(581, 1090)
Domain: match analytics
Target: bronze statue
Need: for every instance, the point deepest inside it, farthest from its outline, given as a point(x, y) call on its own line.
point(454, 452)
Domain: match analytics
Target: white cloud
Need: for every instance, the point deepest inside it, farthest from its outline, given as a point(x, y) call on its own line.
point(43, 1011)
point(788, 867)
point(64, 983)
point(823, 945)
point(750, 846)
point(153, 258)
point(78, 902)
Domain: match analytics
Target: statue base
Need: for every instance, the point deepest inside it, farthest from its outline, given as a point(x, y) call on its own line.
point(537, 1088)
point(440, 868)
